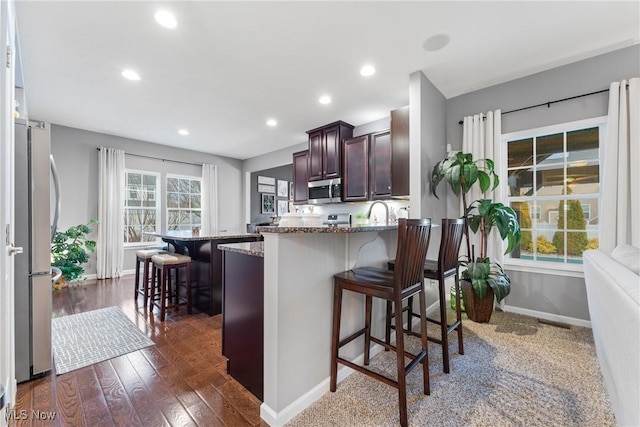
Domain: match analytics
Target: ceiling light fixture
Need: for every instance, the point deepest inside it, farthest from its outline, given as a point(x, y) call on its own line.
point(166, 19)
point(130, 75)
point(183, 132)
point(325, 99)
point(436, 42)
point(367, 70)
point(272, 122)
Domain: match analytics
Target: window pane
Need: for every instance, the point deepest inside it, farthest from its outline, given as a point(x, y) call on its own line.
point(173, 200)
point(520, 182)
point(195, 218)
point(195, 201)
point(520, 153)
point(546, 250)
point(195, 186)
point(134, 178)
point(550, 182)
point(583, 180)
point(183, 200)
point(583, 144)
point(149, 180)
point(172, 184)
point(550, 148)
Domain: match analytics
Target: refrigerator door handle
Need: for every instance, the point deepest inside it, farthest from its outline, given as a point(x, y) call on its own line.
point(56, 185)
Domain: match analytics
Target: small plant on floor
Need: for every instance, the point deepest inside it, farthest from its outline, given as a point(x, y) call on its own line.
point(70, 250)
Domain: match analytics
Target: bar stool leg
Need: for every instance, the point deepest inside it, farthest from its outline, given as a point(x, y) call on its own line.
point(459, 315)
point(367, 326)
point(137, 280)
point(444, 335)
point(165, 281)
point(188, 268)
point(335, 337)
point(145, 279)
point(402, 379)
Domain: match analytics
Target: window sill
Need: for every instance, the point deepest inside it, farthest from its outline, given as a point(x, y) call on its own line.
point(541, 267)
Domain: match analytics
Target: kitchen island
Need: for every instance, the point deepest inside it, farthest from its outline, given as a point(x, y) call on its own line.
point(206, 262)
point(243, 313)
point(299, 264)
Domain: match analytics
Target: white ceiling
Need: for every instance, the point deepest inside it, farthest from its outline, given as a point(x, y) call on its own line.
point(229, 66)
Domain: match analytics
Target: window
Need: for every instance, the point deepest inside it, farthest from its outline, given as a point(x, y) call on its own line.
point(141, 210)
point(553, 177)
point(183, 203)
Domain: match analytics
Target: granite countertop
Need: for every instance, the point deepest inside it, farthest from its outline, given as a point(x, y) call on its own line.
point(247, 248)
point(189, 236)
point(328, 229)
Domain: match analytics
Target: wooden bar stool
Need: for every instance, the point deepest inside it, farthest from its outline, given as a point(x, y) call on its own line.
point(394, 286)
point(444, 267)
point(166, 296)
point(144, 257)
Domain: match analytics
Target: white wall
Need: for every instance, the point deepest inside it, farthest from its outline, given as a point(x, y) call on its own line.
point(76, 156)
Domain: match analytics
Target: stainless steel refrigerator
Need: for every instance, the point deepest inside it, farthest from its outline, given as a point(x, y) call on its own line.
point(34, 180)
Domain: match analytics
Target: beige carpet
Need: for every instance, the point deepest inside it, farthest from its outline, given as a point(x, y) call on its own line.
point(515, 372)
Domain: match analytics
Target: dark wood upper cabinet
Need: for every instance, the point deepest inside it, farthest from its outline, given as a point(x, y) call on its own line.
point(380, 165)
point(400, 152)
point(355, 180)
point(325, 150)
point(300, 177)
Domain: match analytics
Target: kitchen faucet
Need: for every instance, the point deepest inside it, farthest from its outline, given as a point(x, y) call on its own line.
point(386, 209)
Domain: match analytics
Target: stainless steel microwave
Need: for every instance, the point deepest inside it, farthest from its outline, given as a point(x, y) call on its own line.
point(325, 191)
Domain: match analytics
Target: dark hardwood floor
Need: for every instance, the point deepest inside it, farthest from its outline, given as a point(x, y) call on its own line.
point(181, 381)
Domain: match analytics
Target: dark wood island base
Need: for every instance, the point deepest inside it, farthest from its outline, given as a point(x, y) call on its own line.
point(243, 314)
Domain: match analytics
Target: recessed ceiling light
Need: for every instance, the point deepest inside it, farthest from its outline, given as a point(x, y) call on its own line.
point(325, 99)
point(367, 70)
point(183, 132)
point(130, 75)
point(272, 122)
point(166, 19)
point(436, 42)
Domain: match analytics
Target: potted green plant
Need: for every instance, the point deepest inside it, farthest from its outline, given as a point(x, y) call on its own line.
point(70, 250)
point(482, 279)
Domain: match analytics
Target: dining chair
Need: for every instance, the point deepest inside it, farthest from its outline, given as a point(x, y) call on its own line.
point(444, 267)
point(395, 287)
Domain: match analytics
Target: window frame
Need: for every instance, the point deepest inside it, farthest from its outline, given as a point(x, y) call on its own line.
point(158, 207)
point(166, 195)
point(538, 266)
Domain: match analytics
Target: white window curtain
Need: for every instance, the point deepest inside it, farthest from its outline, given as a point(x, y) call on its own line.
point(111, 182)
point(209, 199)
point(620, 194)
point(481, 136)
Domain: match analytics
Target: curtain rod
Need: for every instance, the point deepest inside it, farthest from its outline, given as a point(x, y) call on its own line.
point(158, 158)
point(548, 104)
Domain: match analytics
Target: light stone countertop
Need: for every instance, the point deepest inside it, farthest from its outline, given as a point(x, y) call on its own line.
point(327, 229)
point(247, 248)
point(216, 235)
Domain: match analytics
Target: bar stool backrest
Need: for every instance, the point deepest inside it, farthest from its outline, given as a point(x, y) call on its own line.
point(413, 242)
point(450, 241)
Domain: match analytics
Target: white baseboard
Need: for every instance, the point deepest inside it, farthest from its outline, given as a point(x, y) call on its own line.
point(278, 419)
point(95, 276)
point(547, 316)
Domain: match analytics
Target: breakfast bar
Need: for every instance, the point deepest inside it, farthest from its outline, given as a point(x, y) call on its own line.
point(206, 262)
point(299, 264)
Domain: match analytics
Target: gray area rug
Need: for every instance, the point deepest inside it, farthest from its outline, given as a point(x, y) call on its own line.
point(86, 338)
point(515, 372)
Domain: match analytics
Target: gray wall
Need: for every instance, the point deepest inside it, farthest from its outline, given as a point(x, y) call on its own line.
point(76, 156)
point(283, 173)
point(553, 294)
